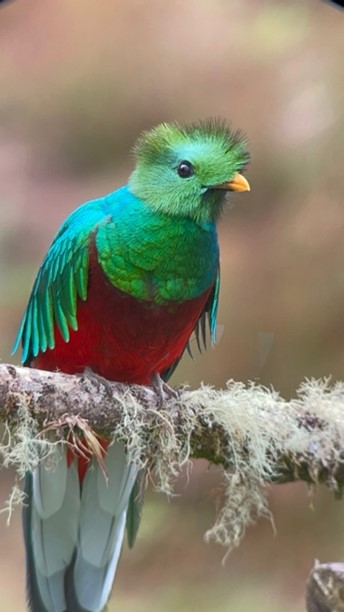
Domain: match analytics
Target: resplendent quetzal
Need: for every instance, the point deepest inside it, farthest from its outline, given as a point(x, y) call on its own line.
point(126, 281)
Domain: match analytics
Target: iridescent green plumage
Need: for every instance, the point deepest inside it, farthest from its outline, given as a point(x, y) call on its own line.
point(216, 153)
point(160, 245)
point(136, 258)
point(126, 281)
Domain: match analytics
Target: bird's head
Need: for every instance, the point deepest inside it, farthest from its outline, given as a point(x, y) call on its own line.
point(186, 170)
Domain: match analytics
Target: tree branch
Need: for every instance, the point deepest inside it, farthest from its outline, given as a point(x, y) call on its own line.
point(254, 434)
point(325, 588)
point(310, 428)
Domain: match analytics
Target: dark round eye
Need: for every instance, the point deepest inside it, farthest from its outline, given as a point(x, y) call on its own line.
point(185, 169)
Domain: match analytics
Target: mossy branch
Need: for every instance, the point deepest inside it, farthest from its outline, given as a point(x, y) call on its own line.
point(325, 588)
point(254, 434)
point(299, 439)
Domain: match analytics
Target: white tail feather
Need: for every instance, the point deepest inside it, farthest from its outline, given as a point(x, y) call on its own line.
point(48, 486)
point(51, 591)
point(54, 533)
point(102, 522)
point(79, 529)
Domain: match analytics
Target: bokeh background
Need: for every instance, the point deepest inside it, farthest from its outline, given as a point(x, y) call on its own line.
point(78, 81)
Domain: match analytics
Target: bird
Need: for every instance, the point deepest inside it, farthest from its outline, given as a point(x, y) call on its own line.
point(127, 280)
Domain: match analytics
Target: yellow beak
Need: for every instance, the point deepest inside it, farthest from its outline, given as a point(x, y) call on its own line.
point(238, 183)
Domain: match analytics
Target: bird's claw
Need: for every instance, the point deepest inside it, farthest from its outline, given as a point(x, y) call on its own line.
point(99, 381)
point(163, 390)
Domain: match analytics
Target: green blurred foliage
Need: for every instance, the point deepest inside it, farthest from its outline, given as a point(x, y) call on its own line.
point(79, 80)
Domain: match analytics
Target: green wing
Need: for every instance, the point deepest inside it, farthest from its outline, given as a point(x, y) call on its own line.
point(61, 279)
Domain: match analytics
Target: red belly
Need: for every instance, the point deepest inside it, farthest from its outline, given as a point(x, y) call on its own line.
point(122, 338)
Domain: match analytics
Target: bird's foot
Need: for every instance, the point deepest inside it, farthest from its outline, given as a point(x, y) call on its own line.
point(163, 390)
point(98, 381)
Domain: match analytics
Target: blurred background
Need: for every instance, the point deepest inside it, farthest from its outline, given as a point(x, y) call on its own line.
point(79, 80)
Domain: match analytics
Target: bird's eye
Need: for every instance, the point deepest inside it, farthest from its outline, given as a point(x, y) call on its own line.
point(185, 169)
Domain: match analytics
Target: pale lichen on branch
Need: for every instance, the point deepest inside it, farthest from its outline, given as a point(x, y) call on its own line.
point(251, 431)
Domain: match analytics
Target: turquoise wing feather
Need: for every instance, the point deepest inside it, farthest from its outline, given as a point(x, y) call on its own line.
point(62, 278)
